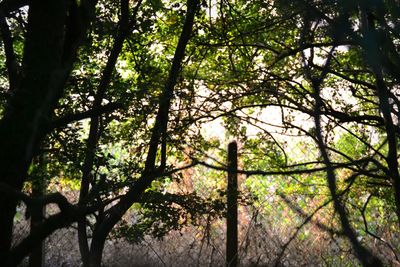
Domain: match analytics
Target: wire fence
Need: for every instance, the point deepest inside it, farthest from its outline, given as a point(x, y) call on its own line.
point(271, 233)
point(261, 242)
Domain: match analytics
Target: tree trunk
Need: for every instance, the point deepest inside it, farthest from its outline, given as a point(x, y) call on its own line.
point(96, 252)
point(115, 213)
point(375, 57)
point(36, 258)
point(28, 110)
point(7, 207)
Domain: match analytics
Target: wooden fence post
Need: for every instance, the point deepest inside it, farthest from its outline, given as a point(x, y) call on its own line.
point(232, 211)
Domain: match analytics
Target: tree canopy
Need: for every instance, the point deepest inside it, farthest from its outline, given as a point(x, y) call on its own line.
point(122, 101)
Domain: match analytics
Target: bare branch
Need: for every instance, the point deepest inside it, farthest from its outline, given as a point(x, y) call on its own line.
point(282, 172)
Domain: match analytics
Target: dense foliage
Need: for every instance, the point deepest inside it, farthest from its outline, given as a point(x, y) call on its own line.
point(132, 104)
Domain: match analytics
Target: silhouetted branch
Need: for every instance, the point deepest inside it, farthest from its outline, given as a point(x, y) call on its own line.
point(114, 214)
point(97, 111)
point(307, 219)
point(8, 6)
point(33, 202)
point(282, 172)
point(11, 61)
point(366, 229)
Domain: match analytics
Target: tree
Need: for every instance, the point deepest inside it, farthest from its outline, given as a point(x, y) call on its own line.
point(113, 94)
point(70, 213)
point(316, 66)
point(53, 35)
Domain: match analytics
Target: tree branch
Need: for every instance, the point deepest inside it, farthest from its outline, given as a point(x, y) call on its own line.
point(97, 111)
point(8, 6)
point(283, 172)
point(11, 61)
